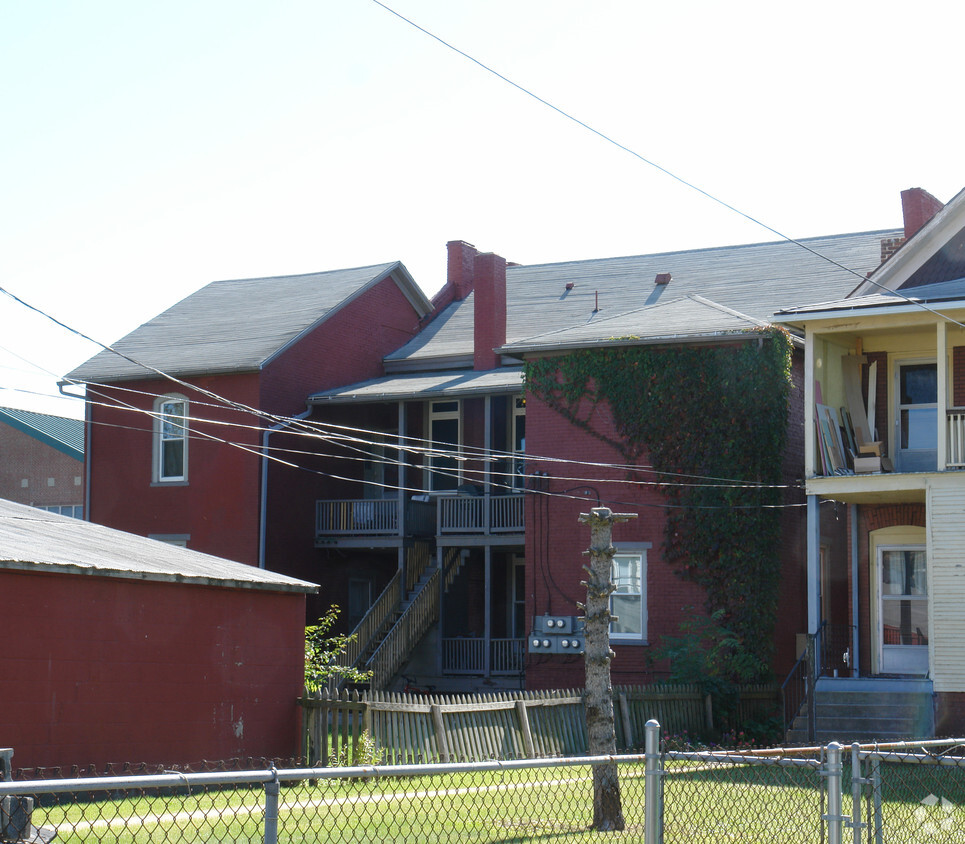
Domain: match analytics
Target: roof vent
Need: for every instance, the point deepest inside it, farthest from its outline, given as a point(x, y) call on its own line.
point(570, 285)
point(662, 278)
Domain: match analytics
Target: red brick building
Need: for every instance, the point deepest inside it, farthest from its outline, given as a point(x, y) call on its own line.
point(180, 410)
point(42, 460)
point(420, 476)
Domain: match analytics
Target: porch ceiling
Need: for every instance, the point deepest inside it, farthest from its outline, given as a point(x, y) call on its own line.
point(878, 488)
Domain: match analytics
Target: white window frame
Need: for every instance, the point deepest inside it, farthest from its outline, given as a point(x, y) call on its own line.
point(519, 454)
point(631, 552)
point(164, 434)
point(441, 415)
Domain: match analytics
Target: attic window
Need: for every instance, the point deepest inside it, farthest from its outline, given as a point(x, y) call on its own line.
point(663, 278)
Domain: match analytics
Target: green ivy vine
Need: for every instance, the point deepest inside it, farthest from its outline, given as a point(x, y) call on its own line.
point(719, 414)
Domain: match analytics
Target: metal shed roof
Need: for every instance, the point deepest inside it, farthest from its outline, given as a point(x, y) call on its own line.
point(65, 435)
point(239, 325)
point(35, 540)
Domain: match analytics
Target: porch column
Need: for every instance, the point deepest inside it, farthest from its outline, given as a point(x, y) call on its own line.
point(941, 355)
point(813, 562)
point(400, 496)
point(487, 472)
point(487, 653)
point(809, 436)
point(440, 559)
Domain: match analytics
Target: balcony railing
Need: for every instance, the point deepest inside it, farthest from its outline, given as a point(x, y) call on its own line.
point(373, 517)
point(955, 427)
point(481, 514)
point(468, 656)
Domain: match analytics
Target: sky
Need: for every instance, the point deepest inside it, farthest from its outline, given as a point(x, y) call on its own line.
point(151, 148)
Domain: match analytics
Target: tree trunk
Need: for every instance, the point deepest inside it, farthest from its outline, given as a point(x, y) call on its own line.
point(607, 806)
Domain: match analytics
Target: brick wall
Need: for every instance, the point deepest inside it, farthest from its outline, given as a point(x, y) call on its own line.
point(218, 506)
point(958, 376)
point(32, 472)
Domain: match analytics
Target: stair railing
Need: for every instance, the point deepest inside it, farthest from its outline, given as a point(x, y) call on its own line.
point(372, 623)
point(405, 634)
point(797, 689)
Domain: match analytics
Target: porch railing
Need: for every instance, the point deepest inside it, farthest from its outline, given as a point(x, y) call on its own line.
point(373, 517)
point(467, 655)
point(356, 516)
point(955, 427)
point(481, 514)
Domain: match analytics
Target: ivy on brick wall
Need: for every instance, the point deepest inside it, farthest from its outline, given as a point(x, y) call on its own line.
point(706, 417)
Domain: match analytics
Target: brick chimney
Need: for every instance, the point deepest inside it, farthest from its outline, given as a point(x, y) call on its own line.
point(918, 206)
point(489, 325)
point(460, 268)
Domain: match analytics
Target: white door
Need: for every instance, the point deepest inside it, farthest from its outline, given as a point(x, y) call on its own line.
point(903, 610)
point(916, 416)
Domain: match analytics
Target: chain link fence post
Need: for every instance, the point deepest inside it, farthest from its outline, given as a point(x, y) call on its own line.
point(653, 793)
point(857, 783)
point(272, 788)
point(834, 774)
point(876, 798)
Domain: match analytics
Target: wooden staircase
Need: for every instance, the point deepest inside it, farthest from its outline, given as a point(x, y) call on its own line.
point(402, 614)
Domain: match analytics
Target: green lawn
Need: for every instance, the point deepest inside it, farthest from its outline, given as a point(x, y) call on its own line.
point(702, 804)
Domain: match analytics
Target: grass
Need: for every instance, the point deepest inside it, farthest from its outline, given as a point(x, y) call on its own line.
point(719, 802)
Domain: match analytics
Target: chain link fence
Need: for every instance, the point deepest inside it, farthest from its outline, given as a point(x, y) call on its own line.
point(911, 793)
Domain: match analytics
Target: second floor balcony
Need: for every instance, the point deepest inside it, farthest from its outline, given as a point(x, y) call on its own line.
point(885, 404)
point(348, 521)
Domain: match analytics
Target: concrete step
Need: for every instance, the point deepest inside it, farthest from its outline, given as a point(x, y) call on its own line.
point(868, 709)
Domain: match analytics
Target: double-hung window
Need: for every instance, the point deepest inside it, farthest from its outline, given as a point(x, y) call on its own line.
point(444, 463)
point(628, 603)
point(171, 439)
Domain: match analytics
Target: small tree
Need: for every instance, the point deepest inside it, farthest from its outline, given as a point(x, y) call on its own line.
point(322, 652)
point(607, 806)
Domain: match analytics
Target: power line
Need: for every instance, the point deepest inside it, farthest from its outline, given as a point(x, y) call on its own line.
point(651, 163)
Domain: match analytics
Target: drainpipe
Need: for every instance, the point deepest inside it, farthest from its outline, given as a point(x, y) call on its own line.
point(853, 515)
point(87, 429)
point(813, 563)
point(263, 508)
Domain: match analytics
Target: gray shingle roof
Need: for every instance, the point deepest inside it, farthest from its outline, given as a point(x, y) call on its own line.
point(684, 318)
point(426, 385)
point(35, 540)
point(754, 279)
point(238, 326)
point(65, 435)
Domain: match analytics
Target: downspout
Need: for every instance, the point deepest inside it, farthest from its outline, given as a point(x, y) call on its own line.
point(87, 429)
point(263, 507)
point(853, 514)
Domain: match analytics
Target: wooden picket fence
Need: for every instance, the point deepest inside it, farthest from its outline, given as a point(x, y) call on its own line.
point(413, 729)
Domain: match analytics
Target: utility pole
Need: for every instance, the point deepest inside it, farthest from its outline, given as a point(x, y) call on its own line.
point(607, 807)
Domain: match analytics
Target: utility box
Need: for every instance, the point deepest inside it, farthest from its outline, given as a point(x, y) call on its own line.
point(556, 634)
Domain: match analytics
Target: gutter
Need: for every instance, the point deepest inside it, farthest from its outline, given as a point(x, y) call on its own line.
point(263, 504)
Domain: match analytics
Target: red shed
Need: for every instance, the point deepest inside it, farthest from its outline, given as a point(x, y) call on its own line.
point(119, 648)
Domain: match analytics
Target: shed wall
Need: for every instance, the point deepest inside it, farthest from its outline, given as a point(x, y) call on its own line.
point(101, 670)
